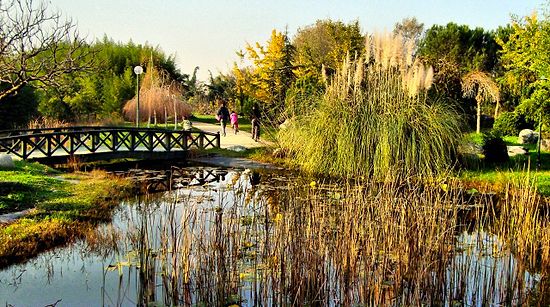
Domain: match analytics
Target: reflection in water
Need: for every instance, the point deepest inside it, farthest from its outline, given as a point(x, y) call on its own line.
point(251, 239)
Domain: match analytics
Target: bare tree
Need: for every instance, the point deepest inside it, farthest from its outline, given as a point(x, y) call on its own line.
point(37, 46)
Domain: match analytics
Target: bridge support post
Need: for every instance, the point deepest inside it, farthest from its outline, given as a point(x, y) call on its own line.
point(24, 148)
point(133, 140)
point(167, 140)
point(186, 137)
point(150, 139)
point(49, 150)
point(95, 142)
point(71, 144)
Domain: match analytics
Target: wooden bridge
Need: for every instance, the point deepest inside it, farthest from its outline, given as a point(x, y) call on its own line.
point(93, 143)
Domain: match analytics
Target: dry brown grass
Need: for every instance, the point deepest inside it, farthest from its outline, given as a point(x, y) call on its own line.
point(46, 122)
point(160, 99)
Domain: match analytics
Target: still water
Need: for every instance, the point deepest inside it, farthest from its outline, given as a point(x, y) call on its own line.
point(218, 240)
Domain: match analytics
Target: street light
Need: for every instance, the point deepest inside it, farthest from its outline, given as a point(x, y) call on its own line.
point(138, 70)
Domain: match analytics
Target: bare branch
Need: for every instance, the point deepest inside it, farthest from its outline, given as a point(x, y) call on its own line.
point(37, 46)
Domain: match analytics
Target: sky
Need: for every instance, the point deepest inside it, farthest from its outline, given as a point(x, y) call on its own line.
point(207, 33)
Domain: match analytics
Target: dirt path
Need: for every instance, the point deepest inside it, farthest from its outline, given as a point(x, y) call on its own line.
point(242, 138)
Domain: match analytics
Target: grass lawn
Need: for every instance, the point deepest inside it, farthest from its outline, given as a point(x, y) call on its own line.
point(516, 170)
point(65, 206)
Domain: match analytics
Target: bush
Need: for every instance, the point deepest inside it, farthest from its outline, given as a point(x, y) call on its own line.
point(494, 149)
point(510, 123)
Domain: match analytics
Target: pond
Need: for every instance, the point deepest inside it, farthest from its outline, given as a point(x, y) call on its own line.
point(238, 237)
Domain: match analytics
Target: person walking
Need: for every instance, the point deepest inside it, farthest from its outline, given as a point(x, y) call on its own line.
point(234, 122)
point(223, 116)
point(255, 120)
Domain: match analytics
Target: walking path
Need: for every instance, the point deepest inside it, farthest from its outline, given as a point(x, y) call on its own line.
point(242, 138)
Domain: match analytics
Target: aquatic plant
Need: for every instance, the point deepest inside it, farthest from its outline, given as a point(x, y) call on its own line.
point(324, 243)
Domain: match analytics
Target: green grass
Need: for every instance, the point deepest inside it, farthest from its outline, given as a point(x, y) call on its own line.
point(28, 185)
point(516, 169)
point(63, 209)
point(32, 185)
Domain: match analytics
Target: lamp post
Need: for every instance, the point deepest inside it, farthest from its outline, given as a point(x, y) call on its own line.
point(138, 70)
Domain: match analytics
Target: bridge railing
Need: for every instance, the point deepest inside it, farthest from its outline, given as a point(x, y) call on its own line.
point(68, 141)
point(15, 132)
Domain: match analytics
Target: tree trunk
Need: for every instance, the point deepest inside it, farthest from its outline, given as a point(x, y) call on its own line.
point(478, 121)
point(496, 109)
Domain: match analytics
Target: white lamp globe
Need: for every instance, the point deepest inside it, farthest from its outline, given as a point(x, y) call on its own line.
point(138, 70)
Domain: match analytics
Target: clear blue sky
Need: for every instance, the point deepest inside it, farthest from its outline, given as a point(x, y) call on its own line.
point(206, 33)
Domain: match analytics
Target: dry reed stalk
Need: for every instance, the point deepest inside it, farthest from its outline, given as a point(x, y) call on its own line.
point(324, 243)
point(45, 122)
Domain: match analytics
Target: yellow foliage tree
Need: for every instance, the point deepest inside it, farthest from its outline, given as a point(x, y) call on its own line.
point(270, 74)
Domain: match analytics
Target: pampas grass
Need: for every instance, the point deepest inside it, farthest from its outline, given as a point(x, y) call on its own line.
point(376, 119)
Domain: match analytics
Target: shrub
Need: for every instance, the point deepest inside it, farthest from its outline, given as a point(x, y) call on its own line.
point(510, 123)
point(494, 149)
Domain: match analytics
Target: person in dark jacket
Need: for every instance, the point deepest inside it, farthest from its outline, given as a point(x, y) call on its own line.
point(223, 116)
point(255, 120)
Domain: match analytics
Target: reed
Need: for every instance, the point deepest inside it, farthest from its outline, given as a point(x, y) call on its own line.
point(376, 119)
point(345, 243)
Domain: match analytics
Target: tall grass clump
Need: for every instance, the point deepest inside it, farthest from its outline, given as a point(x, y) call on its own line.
point(376, 118)
point(160, 99)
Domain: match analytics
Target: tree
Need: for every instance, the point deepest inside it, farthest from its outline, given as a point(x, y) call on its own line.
point(526, 64)
point(101, 91)
point(324, 46)
point(19, 109)
point(482, 87)
point(37, 47)
point(409, 28)
point(453, 51)
point(222, 87)
point(271, 74)
point(160, 98)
